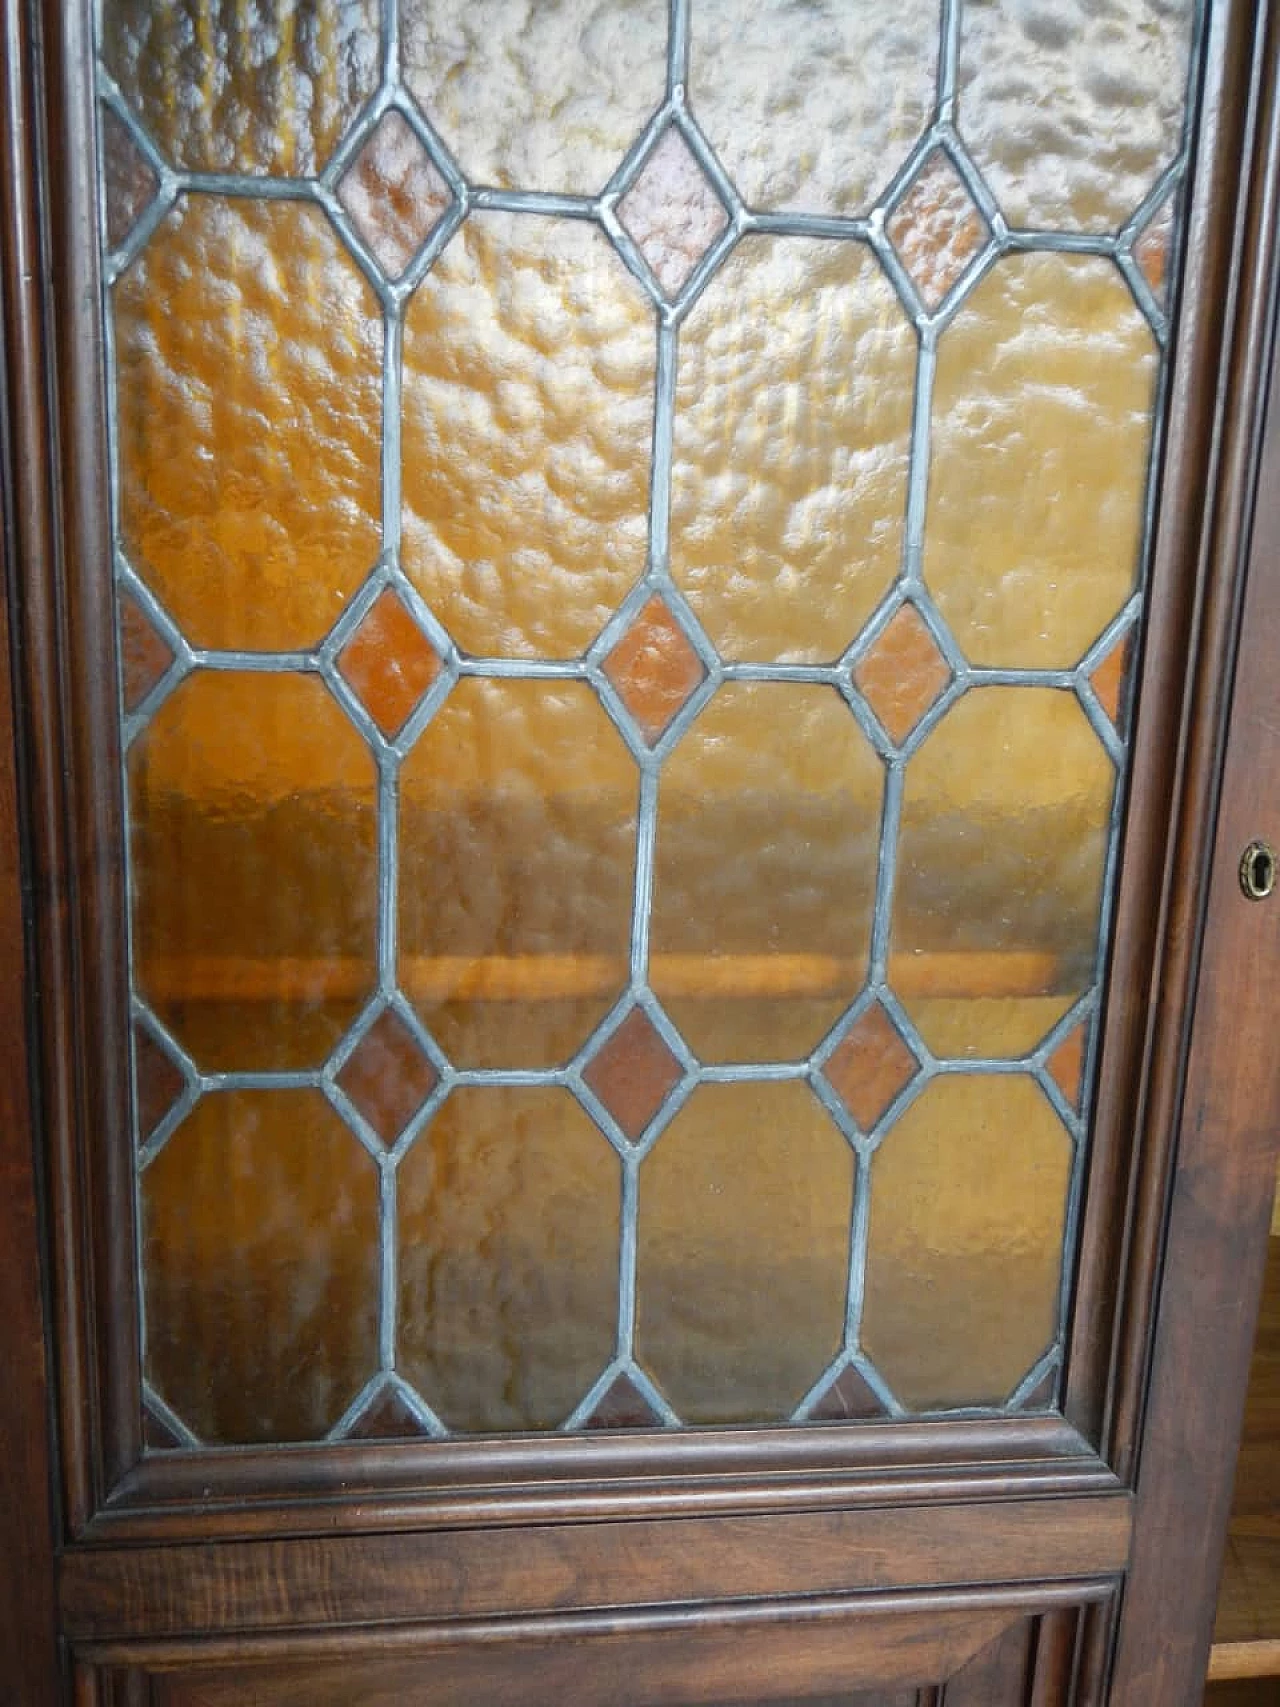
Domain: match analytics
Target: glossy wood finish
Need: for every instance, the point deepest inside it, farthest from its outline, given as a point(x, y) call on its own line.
point(1229, 1115)
point(168, 1592)
point(29, 1669)
point(868, 1656)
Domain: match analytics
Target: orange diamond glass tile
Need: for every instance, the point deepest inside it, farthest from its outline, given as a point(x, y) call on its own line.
point(145, 654)
point(633, 1073)
point(1066, 1064)
point(1152, 250)
point(903, 674)
point(394, 194)
point(1109, 680)
point(387, 1076)
point(871, 1066)
point(672, 212)
point(389, 662)
point(654, 669)
point(937, 230)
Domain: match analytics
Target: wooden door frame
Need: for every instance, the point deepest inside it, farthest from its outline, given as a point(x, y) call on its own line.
point(1175, 1223)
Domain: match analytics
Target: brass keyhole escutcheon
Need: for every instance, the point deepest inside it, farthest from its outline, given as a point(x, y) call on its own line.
point(1258, 870)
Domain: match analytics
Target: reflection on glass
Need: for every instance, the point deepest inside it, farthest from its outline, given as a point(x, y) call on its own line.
point(517, 866)
point(260, 1251)
point(743, 1268)
point(792, 430)
point(1003, 839)
point(254, 869)
point(527, 420)
point(545, 97)
point(964, 1256)
point(767, 844)
point(1072, 114)
point(795, 97)
point(249, 356)
point(1041, 428)
point(508, 1284)
point(224, 88)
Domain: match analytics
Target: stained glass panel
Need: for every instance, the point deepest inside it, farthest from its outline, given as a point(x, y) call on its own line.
point(630, 530)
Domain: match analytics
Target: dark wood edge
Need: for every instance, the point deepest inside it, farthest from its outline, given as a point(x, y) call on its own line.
point(1184, 678)
point(192, 1589)
point(1228, 1117)
point(70, 810)
point(1035, 1596)
point(29, 1673)
point(467, 1484)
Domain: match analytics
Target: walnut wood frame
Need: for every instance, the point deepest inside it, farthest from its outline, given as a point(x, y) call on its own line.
point(819, 1523)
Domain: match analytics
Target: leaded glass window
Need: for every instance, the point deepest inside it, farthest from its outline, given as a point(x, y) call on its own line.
point(630, 526)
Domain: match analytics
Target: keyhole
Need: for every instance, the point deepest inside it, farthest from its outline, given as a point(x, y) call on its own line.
point(1258, 871)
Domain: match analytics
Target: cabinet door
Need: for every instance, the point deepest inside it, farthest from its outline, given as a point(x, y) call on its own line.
point(626, 618)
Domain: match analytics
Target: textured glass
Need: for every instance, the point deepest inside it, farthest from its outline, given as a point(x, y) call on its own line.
point(508, 1209)
point(394, 194)
point(260, 1246)
point(254, 870)
point(517, 871)
point(964, 1252)
point(248, 353)
point(1003, 839)
point(654, 669)
point(540, 97)
point(937, 231)
point(813, 103)
point(129, 180)
point(792, 429)
point(1042, 410)
point(388, 663)
point(764, 881)
point(748, 1180)
point(1071, 110)
point(222, 86)
point(672, 212)
point(528, 414)
point(630, 526)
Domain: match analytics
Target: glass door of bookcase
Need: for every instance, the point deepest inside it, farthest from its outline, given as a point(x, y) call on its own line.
point(630, 536)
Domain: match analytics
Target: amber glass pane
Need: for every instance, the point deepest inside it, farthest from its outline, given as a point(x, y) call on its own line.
point(792, 426)
point(743, 1267)
point(812, 106)
point(260, 1249)
point(1000, 858)
point(1041, 428)
point(254, 869)
point(226, 87)
point(528, 413)
point(1071, 110)
point(968, 1196)
point(768, 839)
point(545, 97)
point(508, 1209)
point(517, 871)
point(629, 532)
point(249, 354)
